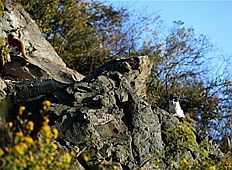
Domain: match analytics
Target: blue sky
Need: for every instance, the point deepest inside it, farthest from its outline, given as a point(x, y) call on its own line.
point(212, 18)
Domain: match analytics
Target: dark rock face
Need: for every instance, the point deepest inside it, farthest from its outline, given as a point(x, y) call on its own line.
point(108, 108)
point(26, 81)
point(113, 114)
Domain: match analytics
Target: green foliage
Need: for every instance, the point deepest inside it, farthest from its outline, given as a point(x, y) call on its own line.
point(4, 53)
point(43, 11)
point(181, 140)
point(181, 67)
point(1, 8)
point(178, 61)
point(81, 32)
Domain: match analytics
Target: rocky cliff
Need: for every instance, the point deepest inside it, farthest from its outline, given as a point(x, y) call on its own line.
point(108, 109)
point(43, 63)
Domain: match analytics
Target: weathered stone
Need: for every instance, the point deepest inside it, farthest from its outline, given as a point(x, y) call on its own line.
point(108, 110)
point(27, 91)
point(43, 61)
point(3, 87)
point(4, 104)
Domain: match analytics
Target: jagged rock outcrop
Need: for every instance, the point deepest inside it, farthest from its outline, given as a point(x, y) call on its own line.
point(3, 113)
point(43, 61)
point(110, 110)
point(44, 65)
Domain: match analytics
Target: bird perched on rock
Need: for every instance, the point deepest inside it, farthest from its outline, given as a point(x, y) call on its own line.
point(174, 107)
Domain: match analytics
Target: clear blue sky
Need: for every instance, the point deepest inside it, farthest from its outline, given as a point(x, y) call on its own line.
point(212, 18)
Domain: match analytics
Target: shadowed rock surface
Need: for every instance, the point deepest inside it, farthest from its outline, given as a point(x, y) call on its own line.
point(110, 110)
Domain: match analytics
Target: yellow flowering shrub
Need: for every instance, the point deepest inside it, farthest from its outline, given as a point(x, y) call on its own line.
point(108, 165)
point(30, 125)
point(85, 157)
point(29, 152)
point(182, 137)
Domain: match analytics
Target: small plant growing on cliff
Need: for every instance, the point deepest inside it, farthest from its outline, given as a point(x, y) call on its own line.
point(28, 152)
point(4, 53)
point(1, 8)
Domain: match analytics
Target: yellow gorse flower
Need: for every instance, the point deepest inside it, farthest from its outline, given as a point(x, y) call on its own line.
point(23, 153)
point(37, 167)
point(184, 161)
point(54, 146)
point(73, 153)
point(115, 167)
point(46, 128)
point(30, 125)
point(58, 164)
point(100, 166)
point(67, 157)
point(17, 161)
point(105, 162)
point(20, 148)
point(212, 168)
point(49, 162)
point(32, 158)
point(9, 124)
point(55, 133)
point(28, 139)
point(44, 161)
point(19, 134)
point(51, 158)
point(85, 157)
point(1, 152)
point(46, 120)
point(21, 110)
point(23, 163)
point(157, 152)
point(149, 156)
point(46, 103)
